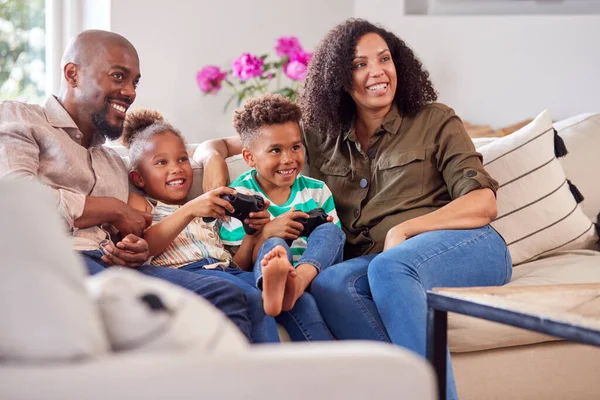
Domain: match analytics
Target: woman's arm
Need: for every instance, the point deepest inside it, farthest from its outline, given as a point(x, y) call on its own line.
point(211, 154)
point(473, 210)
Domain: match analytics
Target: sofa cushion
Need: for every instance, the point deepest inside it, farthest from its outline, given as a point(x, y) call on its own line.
point(568, 267)
point(582, 138)
point(146, 314)
point(537, 213)
point(45, 312)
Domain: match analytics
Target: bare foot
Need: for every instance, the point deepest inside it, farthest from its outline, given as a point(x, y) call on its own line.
point(294, 288)
point(275, 269)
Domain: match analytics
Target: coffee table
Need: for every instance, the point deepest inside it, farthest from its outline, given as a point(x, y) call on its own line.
point(525, 307)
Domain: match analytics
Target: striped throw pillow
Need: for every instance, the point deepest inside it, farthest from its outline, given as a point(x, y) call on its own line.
point(537, 211)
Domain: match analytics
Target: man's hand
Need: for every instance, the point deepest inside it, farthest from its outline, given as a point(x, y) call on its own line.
point(394, 237)
point(128, 221)
point(210, 204)
point(132, 251)
point(258, 220)
point(285, 226)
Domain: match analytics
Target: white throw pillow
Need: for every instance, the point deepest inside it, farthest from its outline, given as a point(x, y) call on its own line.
point(537, 213)
point(143, 313)
point(45, 312)
point(581, 134)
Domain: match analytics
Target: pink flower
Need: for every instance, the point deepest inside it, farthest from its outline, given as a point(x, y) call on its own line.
point(209, 79)
point(288, 46)
point(296, 68)
point(247, 66)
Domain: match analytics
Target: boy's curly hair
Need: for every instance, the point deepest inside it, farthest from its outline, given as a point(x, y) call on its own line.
point(325, 99)
point(268, 109)
point(139, 127)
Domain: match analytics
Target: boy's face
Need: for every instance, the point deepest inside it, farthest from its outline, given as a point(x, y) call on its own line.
point(277, 154)
point(165, 172)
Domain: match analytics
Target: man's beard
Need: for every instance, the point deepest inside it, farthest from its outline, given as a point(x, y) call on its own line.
point(103, 127)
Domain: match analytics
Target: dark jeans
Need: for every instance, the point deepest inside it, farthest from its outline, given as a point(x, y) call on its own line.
point(264, 328)
point(224, 295)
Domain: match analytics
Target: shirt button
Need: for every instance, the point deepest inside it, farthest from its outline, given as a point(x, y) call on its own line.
point(471, 173)
point(356, 213)
point(363, 183)
point(372, 153)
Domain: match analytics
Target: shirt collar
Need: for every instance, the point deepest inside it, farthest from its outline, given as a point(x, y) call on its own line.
point(391, 124)
point(58, 117)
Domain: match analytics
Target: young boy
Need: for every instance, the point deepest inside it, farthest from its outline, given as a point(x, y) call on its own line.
point(270, 131)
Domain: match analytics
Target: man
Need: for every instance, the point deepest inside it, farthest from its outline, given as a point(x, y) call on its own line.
point(61, 144)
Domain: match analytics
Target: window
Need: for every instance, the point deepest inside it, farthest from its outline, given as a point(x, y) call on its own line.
point(23, 50)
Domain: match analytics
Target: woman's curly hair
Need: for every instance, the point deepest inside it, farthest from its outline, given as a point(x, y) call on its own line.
point(139, 127)
point(325, 100)
point(268, 109)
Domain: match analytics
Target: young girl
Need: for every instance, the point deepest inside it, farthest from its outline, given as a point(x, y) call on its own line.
point(178, 237)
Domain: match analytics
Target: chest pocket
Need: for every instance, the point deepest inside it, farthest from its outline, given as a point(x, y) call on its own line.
point(401, 174)
point(336, 176)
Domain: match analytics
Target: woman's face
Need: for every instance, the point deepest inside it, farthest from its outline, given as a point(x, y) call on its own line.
point(373, 73)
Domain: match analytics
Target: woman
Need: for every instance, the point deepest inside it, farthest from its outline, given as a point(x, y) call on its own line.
point(411, 192)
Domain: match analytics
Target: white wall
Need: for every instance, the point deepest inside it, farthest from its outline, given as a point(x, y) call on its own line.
point(176, 38)
point(502, 69)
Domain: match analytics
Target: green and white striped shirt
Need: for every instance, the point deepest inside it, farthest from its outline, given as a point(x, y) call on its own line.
point(306, 195)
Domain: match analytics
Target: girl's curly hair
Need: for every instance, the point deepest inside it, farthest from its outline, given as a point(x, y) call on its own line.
point(325, 100)
point(139, 127)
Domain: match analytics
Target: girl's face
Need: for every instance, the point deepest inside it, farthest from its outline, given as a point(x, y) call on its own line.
point(373, 73)
point(165, 172)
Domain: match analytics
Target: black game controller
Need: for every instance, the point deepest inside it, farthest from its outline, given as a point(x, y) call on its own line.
point(316, 217)
point(243, 205)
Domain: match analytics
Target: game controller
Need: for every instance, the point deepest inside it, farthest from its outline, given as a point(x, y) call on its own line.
point(243, 205)
point(316, 217)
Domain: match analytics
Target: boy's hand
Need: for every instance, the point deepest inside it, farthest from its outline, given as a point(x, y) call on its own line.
point(210, 204)
point(285, 226)
point(258, 220)
point(132, 251)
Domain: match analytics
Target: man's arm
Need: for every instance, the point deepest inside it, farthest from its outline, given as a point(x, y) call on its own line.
point(20, 159)
point(211, 154)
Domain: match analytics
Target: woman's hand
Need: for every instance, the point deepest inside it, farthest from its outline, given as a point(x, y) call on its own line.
point(210, 204)
point(285, 226)
point(394, 237)
point(218, 175)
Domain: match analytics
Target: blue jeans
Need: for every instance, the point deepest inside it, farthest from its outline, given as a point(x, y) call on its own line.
point(227, 297)
point(264, 328)
point(382, 296)
point(324, 247)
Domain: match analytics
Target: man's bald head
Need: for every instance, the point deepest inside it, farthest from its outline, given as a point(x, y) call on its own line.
point(89, 45)
point(100, 74)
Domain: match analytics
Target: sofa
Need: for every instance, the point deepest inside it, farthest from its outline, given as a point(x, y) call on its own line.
point(493, 361)
point(65, 335)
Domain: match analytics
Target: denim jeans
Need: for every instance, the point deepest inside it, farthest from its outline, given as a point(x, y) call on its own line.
point(382, 296)
point(324, 247)
point(227, 297)
point(264, 328)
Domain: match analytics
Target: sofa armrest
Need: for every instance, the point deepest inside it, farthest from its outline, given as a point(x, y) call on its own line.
point(348, 370)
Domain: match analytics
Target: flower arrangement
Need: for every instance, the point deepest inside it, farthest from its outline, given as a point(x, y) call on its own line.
point(252, 75)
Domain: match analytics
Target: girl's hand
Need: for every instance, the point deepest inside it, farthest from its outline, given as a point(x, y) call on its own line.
point(257, 220)
point(285, 226)
point(210, 204)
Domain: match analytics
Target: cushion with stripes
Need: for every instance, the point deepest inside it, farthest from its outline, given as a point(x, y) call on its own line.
point(537, 211)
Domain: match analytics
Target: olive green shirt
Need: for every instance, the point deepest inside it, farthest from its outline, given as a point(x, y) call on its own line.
point(413, 166)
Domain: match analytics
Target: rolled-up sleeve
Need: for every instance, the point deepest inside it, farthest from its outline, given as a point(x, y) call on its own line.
point(20, 159)
point(459, 163)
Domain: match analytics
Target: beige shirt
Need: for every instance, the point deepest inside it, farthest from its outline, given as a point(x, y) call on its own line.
point(412, 166)
point(44, 142)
